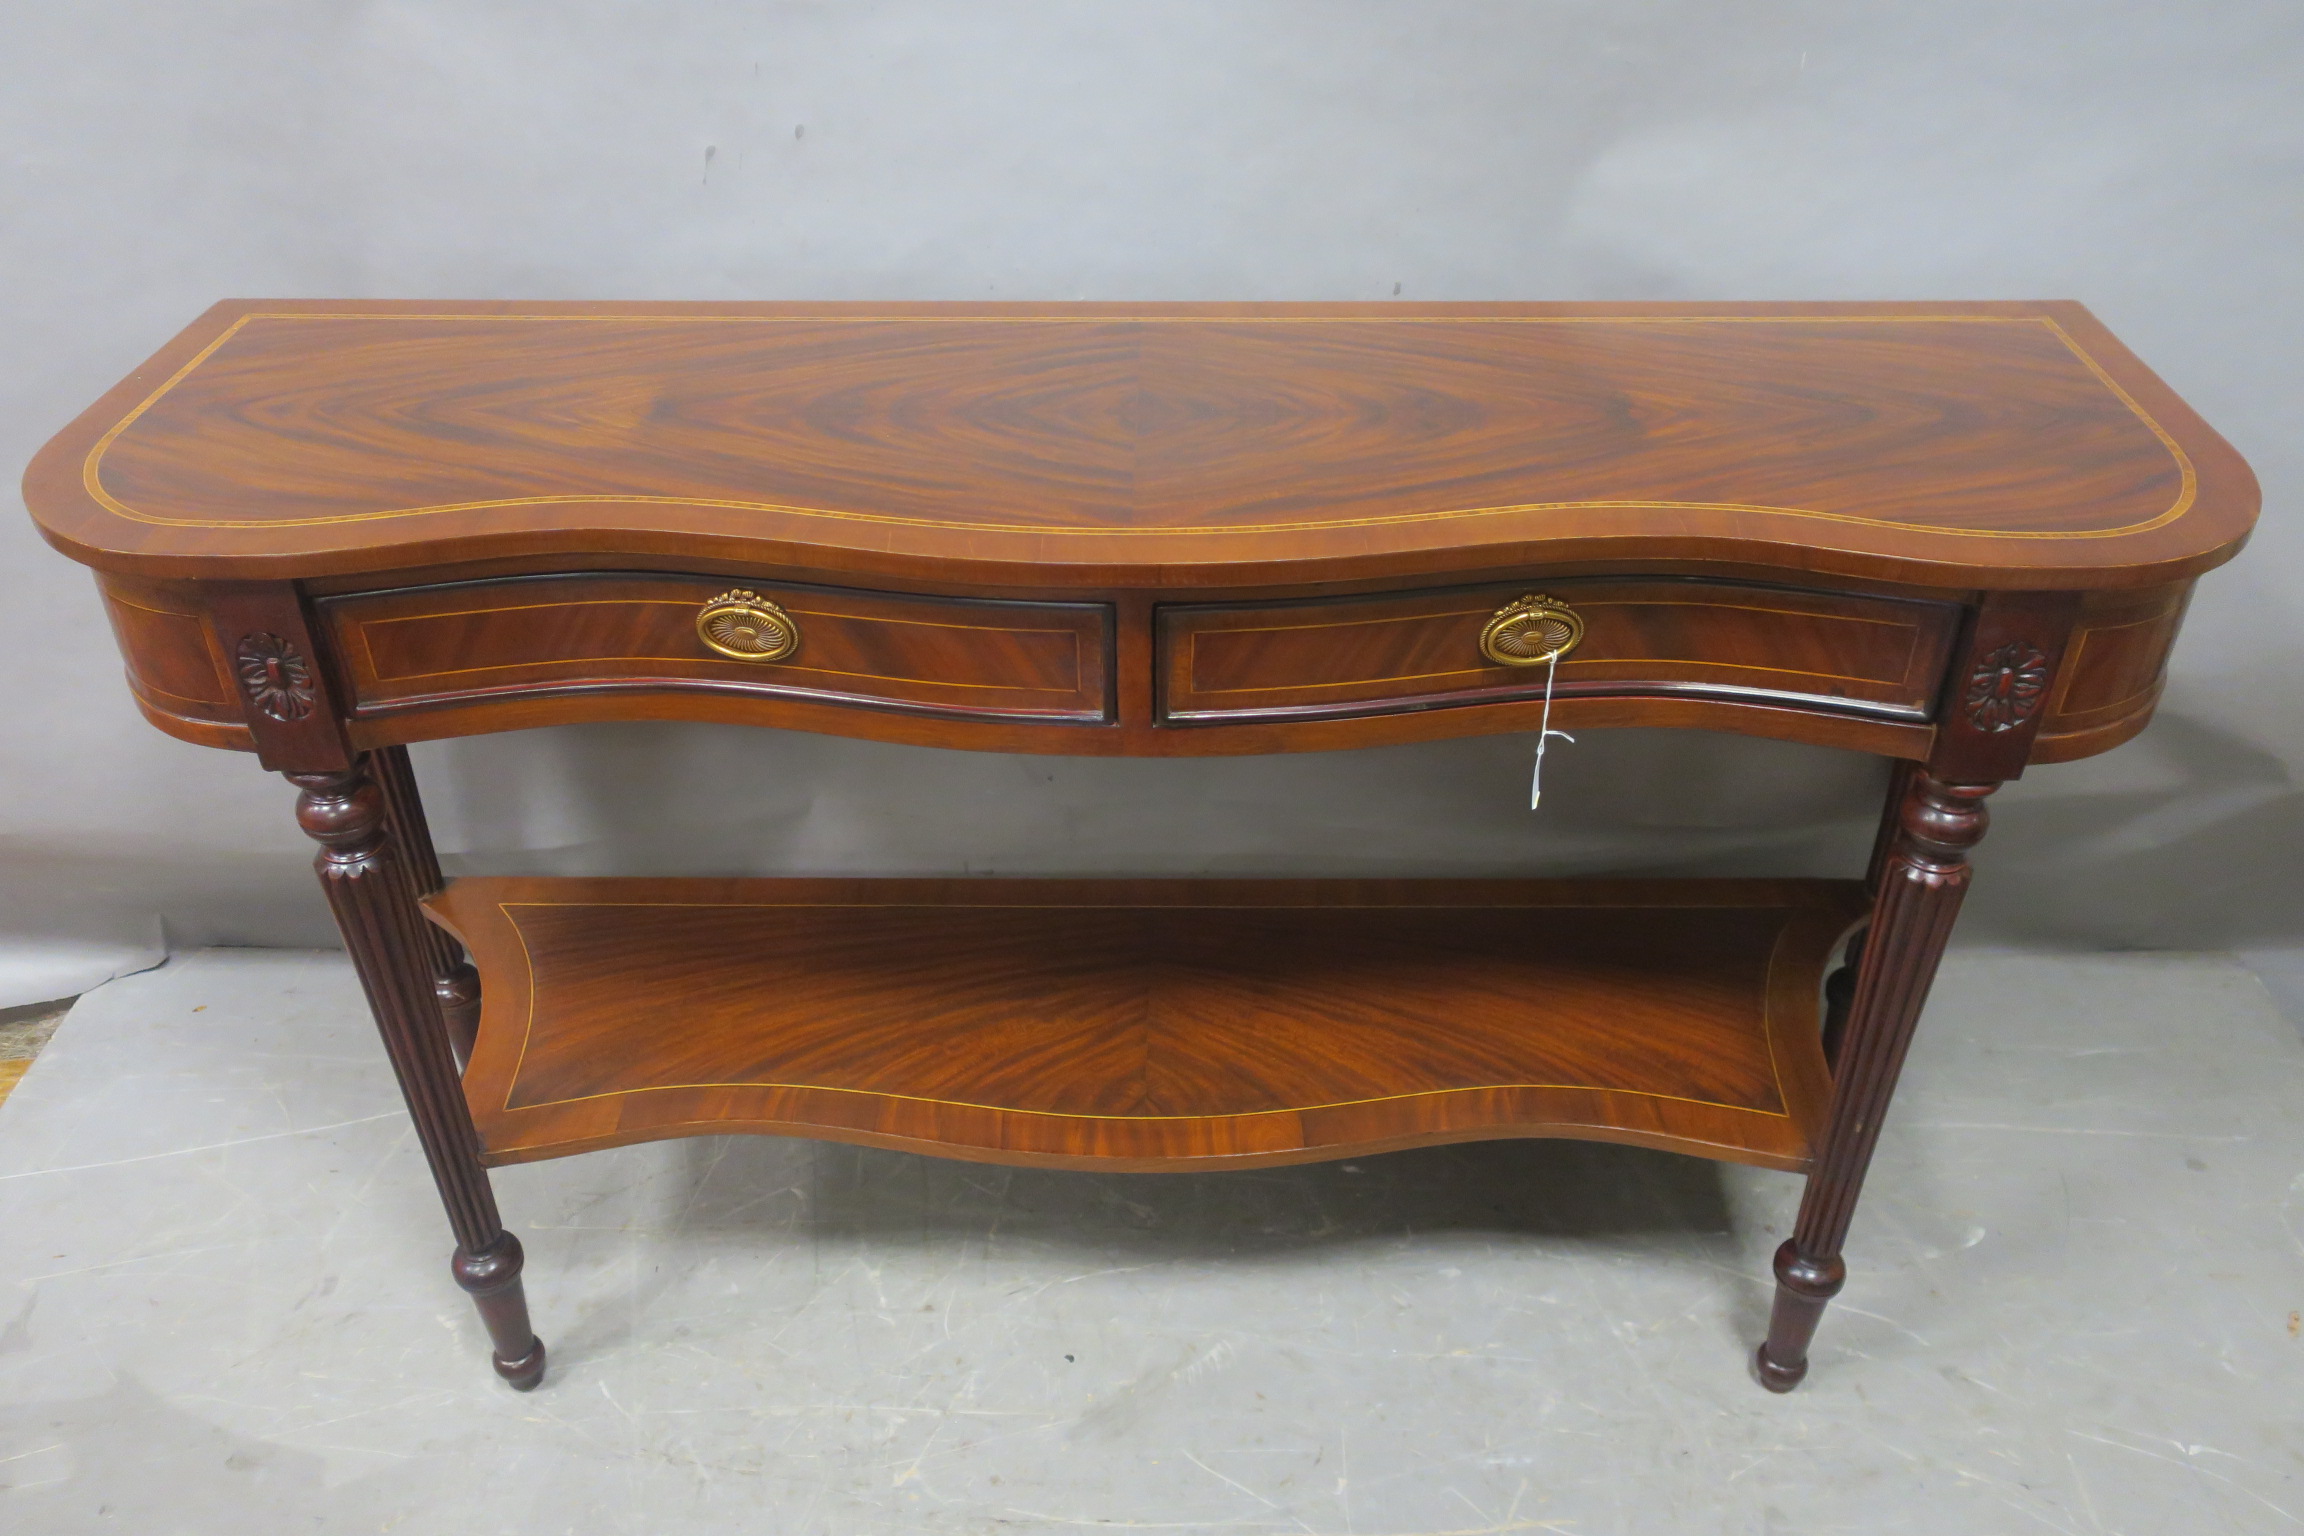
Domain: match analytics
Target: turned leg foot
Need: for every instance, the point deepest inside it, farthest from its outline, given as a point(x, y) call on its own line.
point(1803, 1286)
point(492, 1277)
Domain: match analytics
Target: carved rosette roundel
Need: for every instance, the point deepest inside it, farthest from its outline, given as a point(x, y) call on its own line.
point(2006, 688)
point(276, 678)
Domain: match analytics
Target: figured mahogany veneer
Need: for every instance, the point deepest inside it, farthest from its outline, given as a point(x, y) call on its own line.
point(1961, 536)
point(176, 667)
point(1883, 467)
point(1882, 657)
point(1149, 1023)
point(544, 635)
point(1092, 445)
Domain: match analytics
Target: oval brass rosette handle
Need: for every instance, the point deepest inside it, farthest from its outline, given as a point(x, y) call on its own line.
point(1530, 631)
point(747, 626)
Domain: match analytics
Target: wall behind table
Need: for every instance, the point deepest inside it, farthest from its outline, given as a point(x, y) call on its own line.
point(2145, 158)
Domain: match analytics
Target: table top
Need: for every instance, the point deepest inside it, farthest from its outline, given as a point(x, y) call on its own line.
point(1982, 445)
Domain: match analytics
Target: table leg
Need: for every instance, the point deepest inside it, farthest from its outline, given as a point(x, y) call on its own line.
point(372, 894)
point(1840, 986)
point(1918, 888)
point(1839, 995)
point(453, 978)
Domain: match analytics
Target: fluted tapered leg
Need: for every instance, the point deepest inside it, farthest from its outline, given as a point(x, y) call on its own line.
point(372, 892)
point(454, 980)
point(1918, 885)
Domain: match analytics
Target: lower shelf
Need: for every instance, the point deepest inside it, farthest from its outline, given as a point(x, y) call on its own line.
point(1151, 1023)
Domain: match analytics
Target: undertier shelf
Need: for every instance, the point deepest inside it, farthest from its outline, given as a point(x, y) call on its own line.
point(1151, 1023)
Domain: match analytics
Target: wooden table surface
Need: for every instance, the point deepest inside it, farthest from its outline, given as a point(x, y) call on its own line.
point(1983, 445)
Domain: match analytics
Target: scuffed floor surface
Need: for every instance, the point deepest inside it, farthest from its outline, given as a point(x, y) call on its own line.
point(2073, 1306)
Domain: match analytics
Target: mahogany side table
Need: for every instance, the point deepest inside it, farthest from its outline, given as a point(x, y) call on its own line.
point(1958, 536)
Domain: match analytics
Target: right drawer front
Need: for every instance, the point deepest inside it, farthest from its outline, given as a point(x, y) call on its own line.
point(1877, 656)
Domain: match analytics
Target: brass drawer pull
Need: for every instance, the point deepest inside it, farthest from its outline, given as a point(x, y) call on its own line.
point(1530, 631)
point(747, 626)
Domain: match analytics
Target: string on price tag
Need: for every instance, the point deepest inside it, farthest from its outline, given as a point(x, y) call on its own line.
point(1544, 734)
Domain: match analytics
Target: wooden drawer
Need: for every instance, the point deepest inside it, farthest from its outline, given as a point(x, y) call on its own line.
point(548, 635)
point(1875, 656)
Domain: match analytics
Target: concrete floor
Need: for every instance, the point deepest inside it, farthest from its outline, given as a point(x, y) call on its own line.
point(2073, 1306)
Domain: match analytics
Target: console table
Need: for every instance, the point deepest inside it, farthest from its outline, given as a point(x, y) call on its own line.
point(1958, 536)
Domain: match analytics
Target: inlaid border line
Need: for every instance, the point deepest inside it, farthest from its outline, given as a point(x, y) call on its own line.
point(92, 481)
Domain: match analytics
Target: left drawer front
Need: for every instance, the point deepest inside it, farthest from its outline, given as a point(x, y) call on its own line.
point(545, 635)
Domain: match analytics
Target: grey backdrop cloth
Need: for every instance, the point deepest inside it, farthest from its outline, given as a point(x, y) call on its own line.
point(2147, 159)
